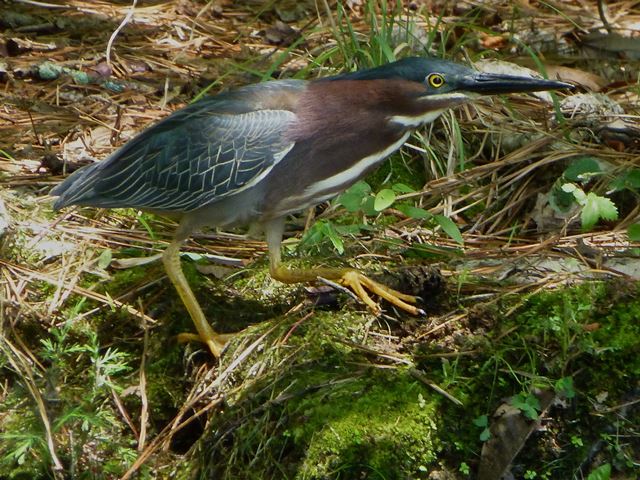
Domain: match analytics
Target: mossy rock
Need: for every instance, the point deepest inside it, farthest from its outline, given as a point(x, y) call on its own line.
point(378, 426)
point(321, 413)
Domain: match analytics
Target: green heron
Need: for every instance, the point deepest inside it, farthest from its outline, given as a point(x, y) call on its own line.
point(256, 154)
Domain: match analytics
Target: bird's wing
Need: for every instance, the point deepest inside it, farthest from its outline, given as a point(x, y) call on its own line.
point(191, 159)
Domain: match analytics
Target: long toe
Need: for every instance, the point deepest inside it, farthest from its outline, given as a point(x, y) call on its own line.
point(360, 283)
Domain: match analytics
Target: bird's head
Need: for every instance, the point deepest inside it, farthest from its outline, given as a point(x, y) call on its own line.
point(445, 78)
point(433, 85)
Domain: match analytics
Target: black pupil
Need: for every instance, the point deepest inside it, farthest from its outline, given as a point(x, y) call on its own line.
point(436, 80)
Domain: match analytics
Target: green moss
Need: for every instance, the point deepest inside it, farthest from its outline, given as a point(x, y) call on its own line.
point(587, 335)
point(596, 320)
point(320, 413)
point(397, 170)
point(374, 427)
point(122, 280)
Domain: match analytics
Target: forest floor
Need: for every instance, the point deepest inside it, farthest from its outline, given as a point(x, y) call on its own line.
point(515, 219)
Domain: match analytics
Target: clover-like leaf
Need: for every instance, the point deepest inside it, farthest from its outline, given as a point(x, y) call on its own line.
point(384, 199)
point(354, 196)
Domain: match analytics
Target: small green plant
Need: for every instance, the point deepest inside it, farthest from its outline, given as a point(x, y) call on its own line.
point(464, 469)
point(603, 472)
point(360, 198)
point(569, 190)
point(19, 447)
point(528, 404)
point(594, 207)
point(326, 230)
point(358, 50)
point(634, 232)
point(530, 474)
point(576, 441)
point(483, 422)
point(564, 387)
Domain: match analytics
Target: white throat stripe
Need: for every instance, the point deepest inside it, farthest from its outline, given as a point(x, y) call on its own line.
point(407, 121)
point(447, 100)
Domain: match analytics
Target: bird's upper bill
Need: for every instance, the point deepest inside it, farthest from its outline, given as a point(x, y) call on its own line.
point(496, 83)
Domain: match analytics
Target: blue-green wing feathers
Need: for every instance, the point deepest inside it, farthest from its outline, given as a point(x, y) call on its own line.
point(191, 159)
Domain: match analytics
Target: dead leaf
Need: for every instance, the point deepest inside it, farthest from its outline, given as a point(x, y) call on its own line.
point(494, 42)
point(88, 145)
point(621, 135)
point(280, 34)
point(509, 432)
point(586, 80)
point(591, 327)
point(124, 263)
point(218, 271)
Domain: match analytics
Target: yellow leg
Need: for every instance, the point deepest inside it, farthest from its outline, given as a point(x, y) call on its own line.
point(347, 277)
point(206, 334)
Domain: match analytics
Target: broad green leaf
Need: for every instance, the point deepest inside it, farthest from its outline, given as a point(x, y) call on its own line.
point(104, 260)
point(449, 227)
point(352, 229)
point(634, 232)
point(402, 188)
point(608, 209)
point(414, 212)
point(582, 169)
point(353, 197)
point(590, 214)
point(629, 179)
point(596, 207)
point(481, 421)
point(384, 199)
point(603, 472)
point(314, 235)
point(351, 201)
point(361, 186)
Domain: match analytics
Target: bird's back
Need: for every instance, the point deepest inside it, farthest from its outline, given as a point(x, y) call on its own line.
point(204, 152)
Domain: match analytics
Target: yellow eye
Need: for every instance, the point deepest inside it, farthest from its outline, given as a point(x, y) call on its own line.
point(435, 80)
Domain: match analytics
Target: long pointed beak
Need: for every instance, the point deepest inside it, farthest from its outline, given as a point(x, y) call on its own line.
point(495, 83)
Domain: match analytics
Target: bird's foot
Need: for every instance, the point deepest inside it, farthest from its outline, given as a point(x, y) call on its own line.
point(360, 283)
point(215, 342)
